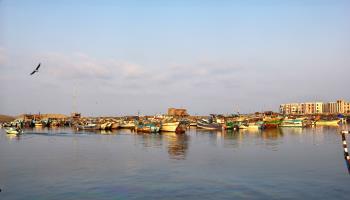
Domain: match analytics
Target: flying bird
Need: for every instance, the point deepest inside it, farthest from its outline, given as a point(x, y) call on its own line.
point(36, 69)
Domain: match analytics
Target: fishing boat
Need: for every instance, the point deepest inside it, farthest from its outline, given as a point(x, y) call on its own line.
point(88, 126)
point(127, 124)
point(13, 131)
point(147, 128)
point(38, 124)
point(115, 125)
point(243, 125)
point(230, 125)
point(54, 123)
point(272, 123)
point(328, 122)
point(208, 125)
point(193, 123)
point(106, 126)
point(255, 125)
point(169, 126)
point(292, 123)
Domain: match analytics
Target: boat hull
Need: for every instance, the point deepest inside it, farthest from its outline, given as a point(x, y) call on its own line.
point(328, 123)
point(88, 127)
point(292, 123)
point(209, 126)
point(38, 125)
point(127, 125)
point(147, 128)
point(12, 131)
point(170, 127)
point(271, 125)
point(115, 125)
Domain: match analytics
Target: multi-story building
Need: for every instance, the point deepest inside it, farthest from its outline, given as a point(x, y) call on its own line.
point(330, 107)
point(347, 108)
point(290, 108)
point(340, 106)
point(318, 107)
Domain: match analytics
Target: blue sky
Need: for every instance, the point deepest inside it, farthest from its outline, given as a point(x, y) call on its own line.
point(207, 56)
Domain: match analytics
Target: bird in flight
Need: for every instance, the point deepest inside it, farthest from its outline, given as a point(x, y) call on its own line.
point(36, 69)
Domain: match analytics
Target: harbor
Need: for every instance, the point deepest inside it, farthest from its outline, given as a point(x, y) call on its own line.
point(176, 120)
point(276, 163)
point(263, 155)
point(174, 100)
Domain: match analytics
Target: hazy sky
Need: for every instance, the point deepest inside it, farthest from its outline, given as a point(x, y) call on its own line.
point(120, 57)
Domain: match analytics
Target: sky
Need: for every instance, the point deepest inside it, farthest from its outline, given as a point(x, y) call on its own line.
point(123, 57)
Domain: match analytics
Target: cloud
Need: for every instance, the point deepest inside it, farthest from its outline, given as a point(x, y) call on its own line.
point(73, 66)
point(203, 72)
point(127, 69)
point(114, 76)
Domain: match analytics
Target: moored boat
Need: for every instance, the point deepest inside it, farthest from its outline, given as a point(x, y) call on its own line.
point(169, 126)
point(272, 123)
point(89, 126)
point(206, 124)
point(328, 122)
point(38, 124)
point(193, 123)
point(106, 126)
point(115, 125)
point(147, 128)
point(292, 123)
point(243, 126)
point(127, 124)
point(13, 131)
point(255, 125)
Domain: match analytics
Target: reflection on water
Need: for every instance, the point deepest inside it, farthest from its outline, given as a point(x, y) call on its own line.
point(285, 163)
point(13, 137)
point(269, 138)
point(149, 140)
point(293, 130)
point(177, 145)
point(272, 134)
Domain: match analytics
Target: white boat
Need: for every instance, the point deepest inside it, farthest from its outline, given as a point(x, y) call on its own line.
point(243, 126)
point(292, 123)
point(87, 127)
point(127, 124)
point(106, 126)
point(193, 124)
point(206, 124)
point(253, 126)
point(169, 126)
point(13, 131)
point(38, 124)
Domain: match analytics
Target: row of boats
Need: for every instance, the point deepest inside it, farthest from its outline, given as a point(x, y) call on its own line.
point(146, 126)
point(179, 125)
point(214, 123)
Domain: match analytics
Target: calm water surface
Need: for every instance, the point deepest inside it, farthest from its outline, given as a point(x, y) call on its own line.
point(289, 163)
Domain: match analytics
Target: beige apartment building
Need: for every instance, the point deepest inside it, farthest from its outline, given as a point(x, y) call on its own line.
point(340, 106)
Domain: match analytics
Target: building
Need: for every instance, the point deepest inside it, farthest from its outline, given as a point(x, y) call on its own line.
point(347, 108)
point(318, 109)
point(179, 112)
point(340, 106)
point(330, 108)
point(290, 108)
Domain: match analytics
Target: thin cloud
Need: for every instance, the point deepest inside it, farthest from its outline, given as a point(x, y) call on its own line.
point(74, 66)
